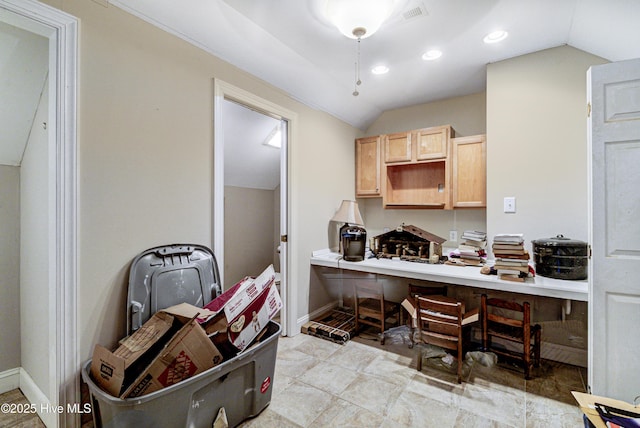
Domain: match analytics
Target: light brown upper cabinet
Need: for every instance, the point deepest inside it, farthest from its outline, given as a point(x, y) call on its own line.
point(368, 166)
point(432, 143)
point(469, 172)
point(423, 168)
point(397, 147)
point(418, 145)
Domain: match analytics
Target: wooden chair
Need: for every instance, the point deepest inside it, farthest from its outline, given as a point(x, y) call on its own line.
point(511, 321)
point(371, 308)
point(423, 290)
point(442, 322)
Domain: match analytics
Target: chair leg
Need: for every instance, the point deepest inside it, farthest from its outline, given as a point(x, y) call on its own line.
point(536, 346)
point(460, 361)
point(485, 335)
point(419, 361)
point(526, 360)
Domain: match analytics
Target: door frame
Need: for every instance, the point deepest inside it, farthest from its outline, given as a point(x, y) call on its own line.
point(222, 91)
point(61, 29)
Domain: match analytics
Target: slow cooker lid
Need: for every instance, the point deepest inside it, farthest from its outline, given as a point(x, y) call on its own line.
point(559, 241)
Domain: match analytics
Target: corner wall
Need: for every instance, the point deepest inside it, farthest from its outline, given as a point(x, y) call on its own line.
point(537, 144)
point(249, 236)
point(9, 267)
point(36, 240)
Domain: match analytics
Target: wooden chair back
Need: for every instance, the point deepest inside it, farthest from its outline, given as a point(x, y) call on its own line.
point(371, 308)
point(440, 324)
point(510, 321)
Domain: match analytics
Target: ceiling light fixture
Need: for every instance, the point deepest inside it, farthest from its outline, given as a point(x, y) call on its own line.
point(350, 15)
point(359, 19)
point(431, 55)
point(495, 37)
point(380, 69)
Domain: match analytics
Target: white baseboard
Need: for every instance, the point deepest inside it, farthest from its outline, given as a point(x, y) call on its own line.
point(9, 380)
point(35, 396)
point(19, 378)
point(305, 319)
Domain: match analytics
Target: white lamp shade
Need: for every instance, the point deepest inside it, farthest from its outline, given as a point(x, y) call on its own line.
point(348, 213)
point(347, 15)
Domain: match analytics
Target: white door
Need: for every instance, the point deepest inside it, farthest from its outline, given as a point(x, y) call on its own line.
point(614, 223)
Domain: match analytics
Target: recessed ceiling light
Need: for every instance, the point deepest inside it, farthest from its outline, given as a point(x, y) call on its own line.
point(495, 37)
point(431, 55)
point(380, 69)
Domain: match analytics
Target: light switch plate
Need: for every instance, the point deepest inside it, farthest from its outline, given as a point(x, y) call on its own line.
point(510, 204)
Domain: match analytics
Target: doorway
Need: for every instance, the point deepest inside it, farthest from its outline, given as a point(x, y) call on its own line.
point(49, 376)
point(252, 144)
point(228, 100)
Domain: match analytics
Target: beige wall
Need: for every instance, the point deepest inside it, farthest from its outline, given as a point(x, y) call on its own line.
point(537, 143)
point(9, 267)
point(35, 241)
point(146, 159)
point(467, 116)
point(248, 232)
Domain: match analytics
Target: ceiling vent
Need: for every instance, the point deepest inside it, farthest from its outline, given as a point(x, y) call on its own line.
point(415, 10)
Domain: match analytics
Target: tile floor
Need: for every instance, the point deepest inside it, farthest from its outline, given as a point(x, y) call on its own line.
point(318, 383)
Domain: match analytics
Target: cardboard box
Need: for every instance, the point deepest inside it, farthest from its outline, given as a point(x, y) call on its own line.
point(409, 304)
point(188, 353)
point(245, 326)
point(244, 310)
point(164, 351)
point(587, 403)
point(114, 371)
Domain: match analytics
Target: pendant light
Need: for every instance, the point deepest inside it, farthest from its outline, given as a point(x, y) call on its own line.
point(359, 19)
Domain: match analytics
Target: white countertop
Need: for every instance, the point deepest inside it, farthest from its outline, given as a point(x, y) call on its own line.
point(457, 275)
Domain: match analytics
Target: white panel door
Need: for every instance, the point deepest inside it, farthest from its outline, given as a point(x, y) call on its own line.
point(614, 223)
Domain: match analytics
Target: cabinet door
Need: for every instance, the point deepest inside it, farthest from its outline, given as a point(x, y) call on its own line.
point(397, 147)
point(432, 143)
point(368, 167)
point(469, 172)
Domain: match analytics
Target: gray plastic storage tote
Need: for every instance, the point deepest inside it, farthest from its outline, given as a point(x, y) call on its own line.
point(242, 385)
point(161, 277)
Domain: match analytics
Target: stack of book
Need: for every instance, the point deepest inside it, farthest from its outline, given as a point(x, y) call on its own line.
point(472, 247)
point(512, 259)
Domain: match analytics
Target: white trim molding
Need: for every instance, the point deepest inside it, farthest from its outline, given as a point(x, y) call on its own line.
point(62, 31)
point(290, 257)
point(35, 396)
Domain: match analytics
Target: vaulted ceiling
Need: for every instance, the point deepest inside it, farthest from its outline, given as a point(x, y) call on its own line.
point(23, 72)
point(290, 44)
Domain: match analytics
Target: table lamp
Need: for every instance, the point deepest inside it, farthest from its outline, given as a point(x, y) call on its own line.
point(352, 237)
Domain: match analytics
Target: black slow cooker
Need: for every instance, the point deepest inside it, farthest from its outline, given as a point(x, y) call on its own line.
point(561, 258)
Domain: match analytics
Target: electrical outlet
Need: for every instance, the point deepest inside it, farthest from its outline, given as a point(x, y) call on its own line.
point(510, 204)
point(453, 235)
